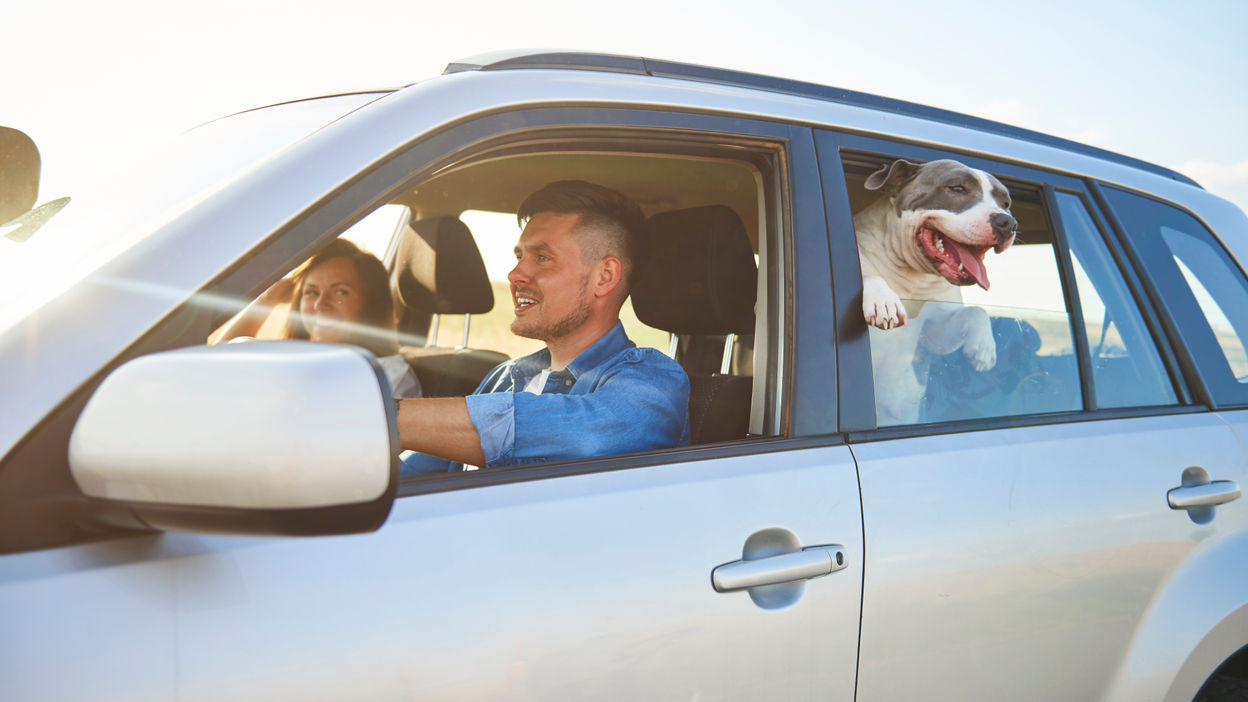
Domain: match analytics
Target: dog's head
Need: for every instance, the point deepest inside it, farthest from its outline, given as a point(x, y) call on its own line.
point(953, 213)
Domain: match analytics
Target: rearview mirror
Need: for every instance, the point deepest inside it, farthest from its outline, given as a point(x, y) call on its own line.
point(20, 167)
point(283, 437)
point(19, 173)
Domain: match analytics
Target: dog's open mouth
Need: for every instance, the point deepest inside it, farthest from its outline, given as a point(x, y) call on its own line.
point(958, 263)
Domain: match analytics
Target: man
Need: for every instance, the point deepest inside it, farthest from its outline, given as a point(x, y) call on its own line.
point(591, 391)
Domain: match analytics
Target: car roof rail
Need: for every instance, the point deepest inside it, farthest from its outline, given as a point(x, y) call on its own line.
point(586, 61)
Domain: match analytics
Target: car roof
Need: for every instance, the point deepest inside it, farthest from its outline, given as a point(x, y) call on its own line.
point(567, 60)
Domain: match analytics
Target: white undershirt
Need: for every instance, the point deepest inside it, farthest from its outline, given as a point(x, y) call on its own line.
point(537, 383)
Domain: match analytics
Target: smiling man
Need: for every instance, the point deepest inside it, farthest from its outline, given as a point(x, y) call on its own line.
point(591, 391)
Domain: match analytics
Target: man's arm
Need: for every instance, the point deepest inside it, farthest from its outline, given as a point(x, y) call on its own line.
point(440, 426)
point(640, 405)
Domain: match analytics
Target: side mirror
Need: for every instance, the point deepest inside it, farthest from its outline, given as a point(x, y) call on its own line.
point(265, 438)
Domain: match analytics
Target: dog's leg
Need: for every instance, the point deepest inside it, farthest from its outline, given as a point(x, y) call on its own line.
point(898, 390)
point(968, 328)
point(881, 307)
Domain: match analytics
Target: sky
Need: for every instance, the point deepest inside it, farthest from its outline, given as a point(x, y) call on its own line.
point(93, 82)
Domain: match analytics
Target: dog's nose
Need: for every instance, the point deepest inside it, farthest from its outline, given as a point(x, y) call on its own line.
point(1003, 226)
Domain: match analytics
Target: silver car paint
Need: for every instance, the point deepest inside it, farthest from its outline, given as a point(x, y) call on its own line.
point(1038, 557)
point(591, 587)
point(199, 446)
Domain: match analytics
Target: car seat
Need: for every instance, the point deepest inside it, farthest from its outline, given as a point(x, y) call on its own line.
point(437, 271)
point(699, 281)
point(1021, 382)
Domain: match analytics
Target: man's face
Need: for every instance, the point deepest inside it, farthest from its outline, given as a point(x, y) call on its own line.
point(550, 285)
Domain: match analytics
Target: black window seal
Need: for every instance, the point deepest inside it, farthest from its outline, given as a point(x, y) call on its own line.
point(856, 397)
point(1017, 421)
point(814, 382)
point(1070, 292)
point(669, 459)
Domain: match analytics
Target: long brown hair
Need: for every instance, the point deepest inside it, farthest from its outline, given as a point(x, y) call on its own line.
point(374, 330)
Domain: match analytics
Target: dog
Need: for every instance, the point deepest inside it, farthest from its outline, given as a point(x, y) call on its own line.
point(924, 238)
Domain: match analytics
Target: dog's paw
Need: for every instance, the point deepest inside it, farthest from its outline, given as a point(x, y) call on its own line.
point(881, 307)
point(981, 351)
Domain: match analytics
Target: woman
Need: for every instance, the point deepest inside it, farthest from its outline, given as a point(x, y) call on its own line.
point(341, 295)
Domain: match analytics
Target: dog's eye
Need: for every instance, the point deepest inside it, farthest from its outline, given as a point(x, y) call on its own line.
point(960, 189)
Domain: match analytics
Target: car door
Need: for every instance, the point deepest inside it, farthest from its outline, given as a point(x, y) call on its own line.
point(585, 579)
point(1020, 541)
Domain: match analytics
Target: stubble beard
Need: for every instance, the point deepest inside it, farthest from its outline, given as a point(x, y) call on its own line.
point(534, 329)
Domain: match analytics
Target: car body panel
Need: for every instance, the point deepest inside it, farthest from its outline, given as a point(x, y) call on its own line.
point(1053, 544)
point(589, 587)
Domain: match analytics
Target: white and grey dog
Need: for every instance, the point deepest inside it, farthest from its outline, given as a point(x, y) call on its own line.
point(926, 237)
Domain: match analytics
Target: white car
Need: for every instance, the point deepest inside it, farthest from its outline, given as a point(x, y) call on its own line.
point(229, 522)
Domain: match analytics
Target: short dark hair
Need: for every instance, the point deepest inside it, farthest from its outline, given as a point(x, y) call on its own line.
point(617, 220)
point(377, 323)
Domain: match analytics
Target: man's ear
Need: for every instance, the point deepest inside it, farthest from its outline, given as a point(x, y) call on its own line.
point(610, 274)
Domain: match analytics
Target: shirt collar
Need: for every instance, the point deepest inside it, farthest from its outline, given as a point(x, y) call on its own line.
point(598, 352)
point(605, 347)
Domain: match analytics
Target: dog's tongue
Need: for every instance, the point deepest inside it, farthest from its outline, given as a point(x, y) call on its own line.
point(972, 263)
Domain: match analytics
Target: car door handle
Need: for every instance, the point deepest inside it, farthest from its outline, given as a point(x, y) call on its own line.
point(810, 562)
point(1207, 495)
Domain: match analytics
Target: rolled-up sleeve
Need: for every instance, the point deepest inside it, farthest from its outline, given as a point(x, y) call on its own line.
point(640, 403)
point(494, 417)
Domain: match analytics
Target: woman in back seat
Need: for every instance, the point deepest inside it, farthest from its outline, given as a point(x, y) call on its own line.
point(340, 295)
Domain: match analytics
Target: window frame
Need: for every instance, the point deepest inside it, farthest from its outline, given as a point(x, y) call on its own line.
point(1201, 356)
point(1135, 288)
point(858, 394)
point(795, 206)
point(792, 204)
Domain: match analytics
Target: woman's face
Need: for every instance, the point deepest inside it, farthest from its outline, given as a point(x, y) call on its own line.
point(332, 301)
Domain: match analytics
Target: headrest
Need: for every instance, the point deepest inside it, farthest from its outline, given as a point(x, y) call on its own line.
point(699, 276)
point(438, 269)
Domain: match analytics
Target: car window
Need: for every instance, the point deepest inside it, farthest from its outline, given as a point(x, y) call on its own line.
point(496, 234)
point(1184, 257)
point(1199, 253)
point(683, 197)
point(449, 258)
point(1126, 368)
point(372, 234)
point(924, 372)
point(1042, 305)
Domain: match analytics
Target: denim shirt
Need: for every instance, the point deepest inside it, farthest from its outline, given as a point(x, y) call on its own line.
point(612, 398)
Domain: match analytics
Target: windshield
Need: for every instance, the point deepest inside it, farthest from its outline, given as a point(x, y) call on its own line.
point(141, 195)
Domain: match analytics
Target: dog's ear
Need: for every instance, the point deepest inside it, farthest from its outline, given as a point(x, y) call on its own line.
point(892, 176)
